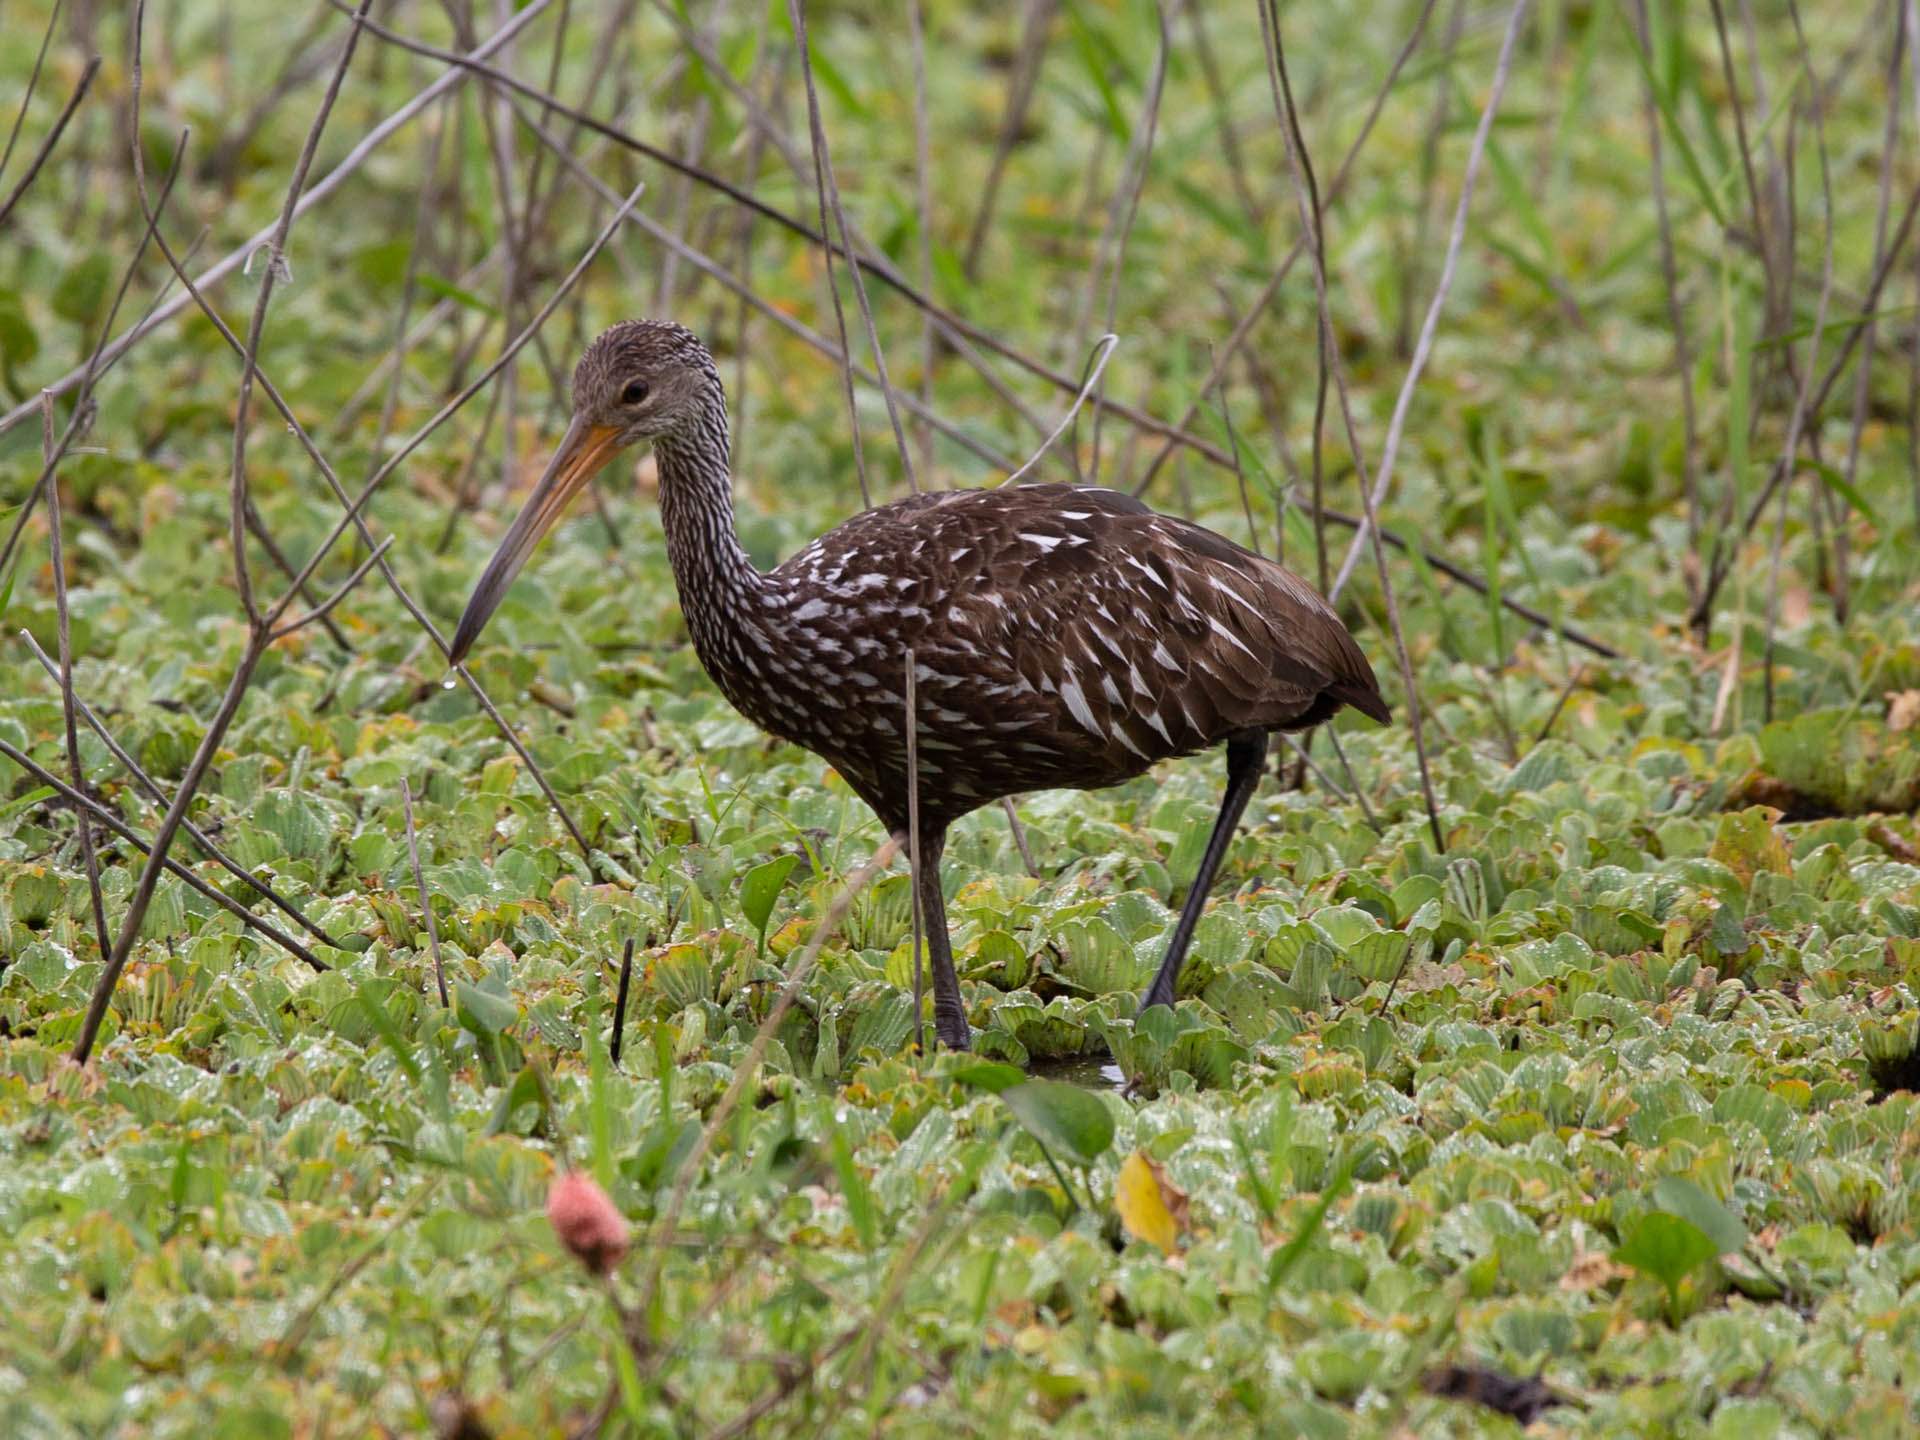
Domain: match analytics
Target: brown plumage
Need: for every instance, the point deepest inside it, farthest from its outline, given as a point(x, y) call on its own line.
point(1063, 636)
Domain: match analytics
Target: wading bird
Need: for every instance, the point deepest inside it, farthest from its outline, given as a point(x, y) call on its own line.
point(1063, 636)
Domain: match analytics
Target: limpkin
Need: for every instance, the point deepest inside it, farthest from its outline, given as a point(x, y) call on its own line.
point(1063, 636)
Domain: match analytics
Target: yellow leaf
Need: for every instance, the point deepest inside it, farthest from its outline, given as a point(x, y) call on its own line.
point(1748, 843)
point(1150, 1206)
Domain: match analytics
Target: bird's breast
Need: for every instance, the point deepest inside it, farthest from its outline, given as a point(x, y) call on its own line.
point(827, 670)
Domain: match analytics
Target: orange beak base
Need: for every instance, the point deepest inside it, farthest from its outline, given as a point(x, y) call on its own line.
point(582, 453)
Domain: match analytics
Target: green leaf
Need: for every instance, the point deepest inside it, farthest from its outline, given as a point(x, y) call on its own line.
point(1380, 956)
point(1675, 133)
point(1667, 1248)
point(835, 81)
point(1099, 960)
point(446, 290)
point(481, 1011)
point(1159, 1027)
point(854, 1187)
point(1097, 55)
point(1680, 1196)
point(383, 1026)
point(761, 887)
point(1748, 844)
point(633, 1394)
point(1288, 1255)
point(384, 262)
point(525, 1090)
point(80, 294)
point(1837, 483)
point(18, 342)
point(681, 977)
point(999, 959)
point(1062, 1117)
point(32, 797)
point(990, 1075)
point(301, 825)
point(1411, 894)
point(884, 1025)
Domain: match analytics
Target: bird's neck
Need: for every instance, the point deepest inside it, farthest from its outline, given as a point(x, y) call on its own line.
point(716, 579)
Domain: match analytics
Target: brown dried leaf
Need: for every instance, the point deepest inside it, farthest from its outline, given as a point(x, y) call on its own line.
point(1896, 845)
point(1591, 1270)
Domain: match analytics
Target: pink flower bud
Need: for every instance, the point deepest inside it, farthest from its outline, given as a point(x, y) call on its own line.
point(587, 1222)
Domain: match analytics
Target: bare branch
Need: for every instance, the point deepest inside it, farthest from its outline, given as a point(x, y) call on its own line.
point(113, 822)
point(420, 888)
point(1126, 200)
point(1231, 346)
point(347, 586)
point(68, 701)
point(276, 249)
point(829, 191)
point(319, 191)
point(53, 135)
point(910, 670)
point(1799, 415)
point(749, 1065)
point(33, 84)
point(151, 788)
point(1032, 52)
point(1383, 476)
point(1103, 349)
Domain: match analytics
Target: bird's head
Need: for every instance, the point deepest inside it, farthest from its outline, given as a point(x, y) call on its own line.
point(641, 380)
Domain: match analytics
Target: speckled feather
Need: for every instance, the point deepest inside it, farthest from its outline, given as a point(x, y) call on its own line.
point(1063, 636)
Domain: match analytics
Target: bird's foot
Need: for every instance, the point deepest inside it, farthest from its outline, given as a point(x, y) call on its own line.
point(954, 1032)
point(1157, 995)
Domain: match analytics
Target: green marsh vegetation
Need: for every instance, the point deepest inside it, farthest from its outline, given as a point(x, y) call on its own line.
point(1554, 1066)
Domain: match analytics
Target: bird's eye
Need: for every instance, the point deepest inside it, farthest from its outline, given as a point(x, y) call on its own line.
point(635, 392)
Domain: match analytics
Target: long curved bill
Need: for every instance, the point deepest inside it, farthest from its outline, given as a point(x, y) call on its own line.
point(583, 450)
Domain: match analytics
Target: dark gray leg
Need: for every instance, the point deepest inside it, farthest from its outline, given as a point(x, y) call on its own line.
point(1246, 757)
point(949, 1015)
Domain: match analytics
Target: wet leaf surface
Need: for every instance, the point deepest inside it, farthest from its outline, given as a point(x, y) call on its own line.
point(1600, 1122)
